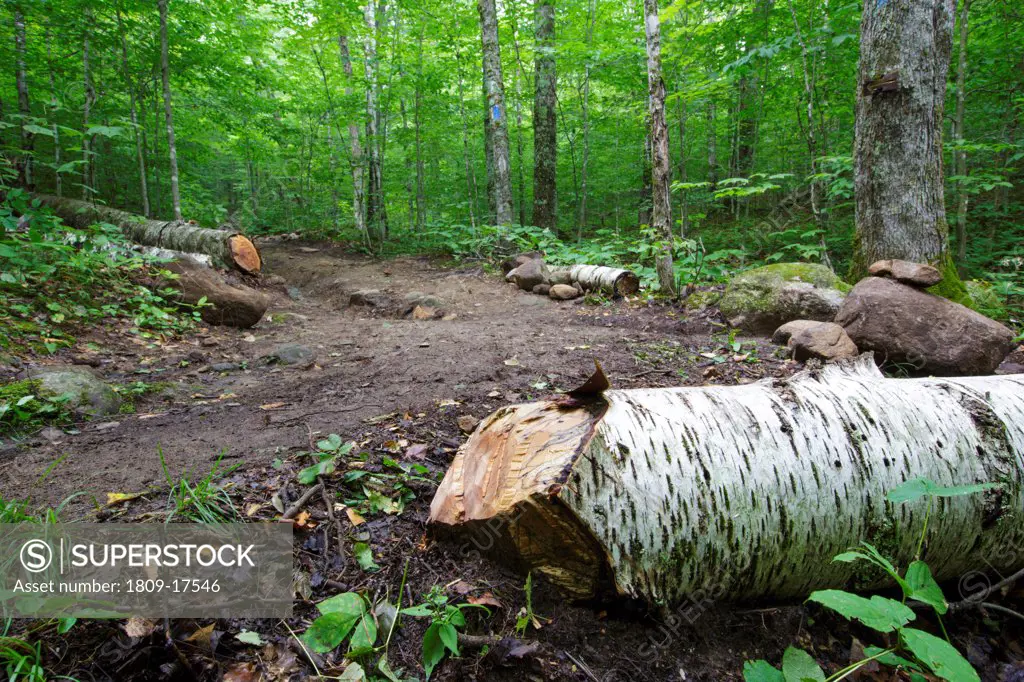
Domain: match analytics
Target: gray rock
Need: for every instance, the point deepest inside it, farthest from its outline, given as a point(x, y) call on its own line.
point(564, 292)
point(922, 333)
point(224, 366)
point(529, 274)
point(907, 272)
point(822, 340)
point(371, 298)
point(542, 289)
point(291, 354)
point(763, 299)
point(784, 333)
point(88, 395)
point(414, 298)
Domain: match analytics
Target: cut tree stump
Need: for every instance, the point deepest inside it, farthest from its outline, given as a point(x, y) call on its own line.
point(743, 492)
point(614, 281)
point(225, 248)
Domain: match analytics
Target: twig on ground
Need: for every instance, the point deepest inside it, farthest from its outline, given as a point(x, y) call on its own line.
point(339, 533)
point(301, 502)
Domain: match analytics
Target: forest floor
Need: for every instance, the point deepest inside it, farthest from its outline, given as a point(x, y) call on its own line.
point(397, 387)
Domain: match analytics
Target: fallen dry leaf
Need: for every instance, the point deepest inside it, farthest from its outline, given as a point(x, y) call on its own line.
point(139, 627)
point(416, 451)
point(272, 406)
point(354, 517)
point(461, 587)
point(204, 637)
point(302, 520)
point(118, 498)
point(485, 599)
point(253, 509)
point(242, 672)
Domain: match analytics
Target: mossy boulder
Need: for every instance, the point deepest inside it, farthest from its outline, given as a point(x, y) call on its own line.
point(87, 394)
point(763, 299)
point(985, 300)
point(699, 300)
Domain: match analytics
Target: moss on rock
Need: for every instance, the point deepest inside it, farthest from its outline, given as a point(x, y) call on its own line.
point(761, 299)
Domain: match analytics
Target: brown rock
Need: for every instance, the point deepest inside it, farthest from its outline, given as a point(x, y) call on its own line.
point(915, 274)
point(467, 423)
point(920, 332)
point(512, 263)
point(423, 313)
point(542, 289)
point(529, 274)
point(823, 340)
point(564, 292)
point(787, 331)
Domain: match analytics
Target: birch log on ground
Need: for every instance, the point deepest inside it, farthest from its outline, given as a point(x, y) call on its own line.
point(744, 491)
point(614, 281)
point(226, 248)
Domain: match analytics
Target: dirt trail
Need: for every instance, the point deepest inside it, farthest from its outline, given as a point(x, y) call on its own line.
point(368, 361)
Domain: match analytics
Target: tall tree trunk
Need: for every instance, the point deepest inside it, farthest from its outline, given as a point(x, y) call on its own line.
point(812, 144)
point(24, 106)
point(960, 156)
point(661, 164)
point(495, 115)
point(375, 218)
point(905, 50)
point(585, 161)
point(355, 150)
point(545, 133)
point(89, 97)
point(165, 76)
point(139, 155)
point(157, 194)
point(645, 203)
point(471, 194)
point(712, 142)
point(684, 198)
point(54, 104)
point(421, 191)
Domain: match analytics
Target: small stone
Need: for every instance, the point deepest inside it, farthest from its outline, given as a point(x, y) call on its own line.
point(542, 289)
point(208, 342)
point(294, 293)
point(914, 274)
point(423, 313)
point(467, 423)
point(291, 354)
point(564, 292)
point(87, 360)
point(787, 331)
point(106, 426)
point(427, 300)
point(88, 395)
point(52, 434)
point(274, 280)
point(825, 341)
point(371, 298)
point(196, 356)
point(224, 366)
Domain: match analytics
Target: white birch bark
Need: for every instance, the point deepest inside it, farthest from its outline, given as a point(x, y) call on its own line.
point(614, 281)
point(745, 491)
point(165, 76)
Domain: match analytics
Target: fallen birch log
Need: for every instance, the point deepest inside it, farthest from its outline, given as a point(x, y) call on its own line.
point(614, 281)
point(743, 491)
point(226, 248)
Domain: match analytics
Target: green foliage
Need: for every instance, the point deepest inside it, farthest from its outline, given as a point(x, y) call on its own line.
point(25, 405)
point(923, 651)
point(328, 451)
point(343, 616)
point(442, 635)
point(55, 279)
point(200, 501)
point(386, 491)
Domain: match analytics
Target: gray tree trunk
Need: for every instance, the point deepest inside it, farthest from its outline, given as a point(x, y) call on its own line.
point(165, 76)
point(960, 156)
point(471, 196)
point(661, 163)
point(905, 50)
point(744, 491)
point(712, 142)
point(585, 161)
point(24, 105)
point(496, 123)
point(545, 132)
point(375, 217)
point(54, 103)
point(139, 155)
point(88, 98)
point(355, 150)
point(421, 190)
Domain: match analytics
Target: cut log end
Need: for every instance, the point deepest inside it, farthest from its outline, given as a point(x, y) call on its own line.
point(627, 284)
point(245, 254)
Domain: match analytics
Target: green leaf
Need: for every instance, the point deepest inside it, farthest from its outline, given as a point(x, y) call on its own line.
point(890, 659)
point(433, 648)
point(38, 130)
point(328, 631)
point(917, 488)
point(364, 555)
point(761, 671)
point(923, 587)
point(353, 673)
point(449, 637)
point(939, 655)
point(346, 602)
point(249, 637)
point(878, 613)
point(322, 468)
point(419, 611)
point(799, 666)
point(65, 624)
point(365, 634)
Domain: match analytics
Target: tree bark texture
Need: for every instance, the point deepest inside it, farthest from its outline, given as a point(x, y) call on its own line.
point(496, 121)
point(89, 96)
point(226, 249)
point(375, 212)
point(661, 163)
point(960, 155)
point(139, 156)
point(743, 491)
point(24, 105)
point(905, 50)
point(613, 281)
point(165, 76)
point(545, 132)
point(355, 150)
